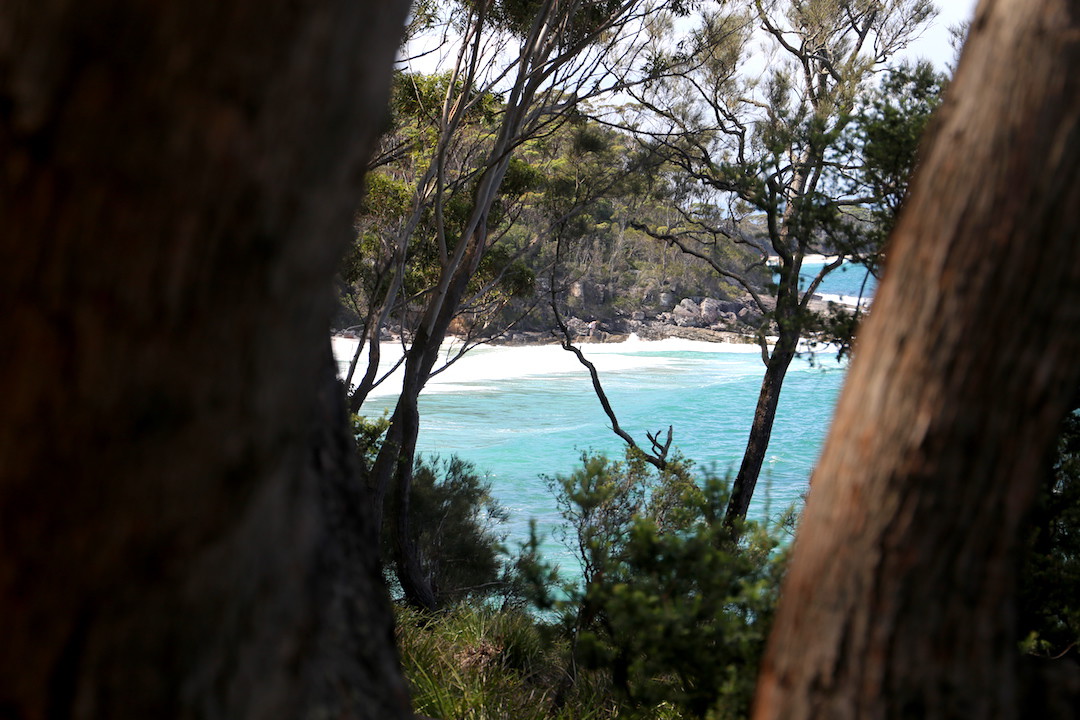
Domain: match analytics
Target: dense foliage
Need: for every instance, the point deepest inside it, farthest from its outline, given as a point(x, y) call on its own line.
point(459, 538)
point(665, 615)
point(884, 142)
point(672, 603)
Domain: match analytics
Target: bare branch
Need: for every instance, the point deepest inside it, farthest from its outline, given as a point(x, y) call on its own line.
point(658, 458)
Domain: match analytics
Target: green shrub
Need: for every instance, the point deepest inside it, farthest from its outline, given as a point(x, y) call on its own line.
point(673, 606)
point(667, 621)
point(368, 433)
point(456, 525)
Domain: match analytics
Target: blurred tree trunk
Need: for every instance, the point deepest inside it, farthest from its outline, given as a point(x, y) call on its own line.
point(180, 529)
point(900, 599)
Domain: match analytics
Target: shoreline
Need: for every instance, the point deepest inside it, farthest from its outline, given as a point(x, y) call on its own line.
point(482, 368)
point(653, 332)
point(734, 322)
point(615, 332)
point(722, 341)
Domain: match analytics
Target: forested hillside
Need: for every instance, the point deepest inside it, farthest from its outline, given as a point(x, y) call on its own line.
point(602, 219)
point(563, 222)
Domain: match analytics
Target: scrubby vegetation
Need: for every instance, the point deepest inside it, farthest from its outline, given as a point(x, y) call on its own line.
point(484, 663)
point(664, 616)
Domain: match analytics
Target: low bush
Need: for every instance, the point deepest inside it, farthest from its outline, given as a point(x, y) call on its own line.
point(672, 605)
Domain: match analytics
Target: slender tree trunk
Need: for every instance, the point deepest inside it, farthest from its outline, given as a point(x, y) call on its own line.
point(379, 315)
point(742, 489)
point(789, 318)
point(395, 460)
point(179, 520)
point(392, 489)
point(900, 599)
point(394, 464)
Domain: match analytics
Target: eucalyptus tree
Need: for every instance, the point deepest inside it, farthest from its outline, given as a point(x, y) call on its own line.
point(901, 599)
point(773, 151)
point(544, 58)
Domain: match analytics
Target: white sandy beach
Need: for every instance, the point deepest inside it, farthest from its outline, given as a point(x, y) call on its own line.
point(492, 364)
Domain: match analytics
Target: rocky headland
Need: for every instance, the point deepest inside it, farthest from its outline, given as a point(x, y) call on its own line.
point(704, 319)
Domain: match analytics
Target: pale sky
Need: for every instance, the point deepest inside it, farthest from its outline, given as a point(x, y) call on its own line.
point(934, 43)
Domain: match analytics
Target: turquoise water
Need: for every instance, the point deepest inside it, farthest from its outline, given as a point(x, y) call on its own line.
point(847, 281)
point(519, 412)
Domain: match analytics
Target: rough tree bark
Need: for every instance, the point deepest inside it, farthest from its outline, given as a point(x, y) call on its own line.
point(180, 531)
point(899, 602)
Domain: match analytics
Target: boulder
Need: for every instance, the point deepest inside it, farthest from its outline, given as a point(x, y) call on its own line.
point(767, 300)
point(750, 317)
point(687, 314)
point(710, 310)
point(577, 326)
